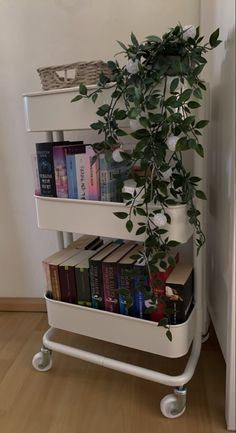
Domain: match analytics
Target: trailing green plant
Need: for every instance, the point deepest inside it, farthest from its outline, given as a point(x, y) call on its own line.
point(157, 91)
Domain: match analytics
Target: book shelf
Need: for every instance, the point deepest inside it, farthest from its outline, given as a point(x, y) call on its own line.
point(53, 113)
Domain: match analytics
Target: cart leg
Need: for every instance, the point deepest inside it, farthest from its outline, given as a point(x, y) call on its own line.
point(174, 405)
point(42, 361)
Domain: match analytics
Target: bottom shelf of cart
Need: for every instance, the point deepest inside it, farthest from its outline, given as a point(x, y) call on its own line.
point(123, 330)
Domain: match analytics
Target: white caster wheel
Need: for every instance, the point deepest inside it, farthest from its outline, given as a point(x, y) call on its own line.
point(170, 406)
point(42, 361)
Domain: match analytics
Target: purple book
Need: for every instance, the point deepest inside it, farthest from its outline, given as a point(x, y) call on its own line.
point(59, 159)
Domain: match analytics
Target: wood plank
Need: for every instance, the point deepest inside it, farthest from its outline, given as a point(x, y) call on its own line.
point(23, 304)
point(78, 397)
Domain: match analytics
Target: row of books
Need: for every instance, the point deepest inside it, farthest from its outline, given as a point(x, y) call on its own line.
point(104, 275)
point(67, 170)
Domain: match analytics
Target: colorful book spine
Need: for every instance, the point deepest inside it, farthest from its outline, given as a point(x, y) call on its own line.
point(96, 282)
point(92, 175)
point(44, 152)
point(140, 284)
point(125, 281)
point(111, 296)
point(108, 184)
point(82, 187)
point(70, 153)
point(59, 159)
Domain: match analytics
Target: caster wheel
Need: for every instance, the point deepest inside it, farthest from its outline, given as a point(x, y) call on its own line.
point(42, 362)
point(170, 407)
point(205, 337)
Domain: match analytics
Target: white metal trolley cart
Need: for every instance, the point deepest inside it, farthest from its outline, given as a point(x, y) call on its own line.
point(53, 113)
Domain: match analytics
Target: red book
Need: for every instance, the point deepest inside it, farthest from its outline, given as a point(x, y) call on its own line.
point(159, 291)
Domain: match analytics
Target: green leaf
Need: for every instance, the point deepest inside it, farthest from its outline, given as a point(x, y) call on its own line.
point(169, 335)
point(112, 65)
point(193, 104)
point(134, 40)
point(133, 113)
point(202, 124)
point(200, 194)
point(173, 244)
point(140, 230)
point(83, 89)
point(103, 109)
point(197, 93)
point(141, 211)
point(153, 38)
point(94, 97)
point(127, 195)
point(140, 133)
point(185, 95)
point(129, 226)
point(163, 322)
point(198, 69)
point(120, 115)
point(182, 144)
point(174, 84)
point(121, 133)
point(214, 37)
point(199, 149)
point(122, 45)
point(77, 98)
point(121, 215)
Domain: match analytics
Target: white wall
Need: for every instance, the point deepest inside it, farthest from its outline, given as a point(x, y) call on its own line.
point(221, 186)
point(41, 33)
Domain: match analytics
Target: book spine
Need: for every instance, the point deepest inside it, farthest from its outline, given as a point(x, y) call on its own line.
point(111, 297)
point(92, 174)
point(68, 284)
point(71, 175)
point(55, 282)
point(159, 291)
point(96, 285)
point(45, 162)
point(46, 271)
point(138, 295)
point(60, 172)
point(80, 161)
point(35, 169)
point(125, 281)
point(83, 287)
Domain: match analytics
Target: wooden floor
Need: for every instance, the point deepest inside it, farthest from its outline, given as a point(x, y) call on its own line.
point(77, 397)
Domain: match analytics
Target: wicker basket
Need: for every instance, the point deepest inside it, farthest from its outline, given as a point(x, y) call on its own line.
point(72, 74)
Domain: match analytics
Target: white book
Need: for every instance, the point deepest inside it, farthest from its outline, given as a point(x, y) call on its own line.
point(82, 184)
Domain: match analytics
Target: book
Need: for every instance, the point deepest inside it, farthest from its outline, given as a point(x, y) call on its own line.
point(67, 276)
point(50, 265)
point(125, 279)
point(96, 280)
point(86, 242)
point(109, 272)
point(82, 277)
point(70, 153)
point(44, 152)
point(159, 291)
point(179, 292)
point(140, 287)
point(92, 175)
point(35, 170)
point(82, 186)
point(109, 188)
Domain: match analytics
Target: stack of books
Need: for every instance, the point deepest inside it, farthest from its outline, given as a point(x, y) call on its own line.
point(107, 276)
point(67, 170)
